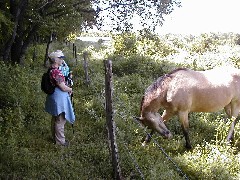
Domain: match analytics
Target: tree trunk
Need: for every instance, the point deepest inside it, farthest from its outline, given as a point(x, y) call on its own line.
point(45, 64)
point(26, 43)
point(17, 11)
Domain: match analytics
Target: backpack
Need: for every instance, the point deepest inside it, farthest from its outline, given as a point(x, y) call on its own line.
point(46, 84)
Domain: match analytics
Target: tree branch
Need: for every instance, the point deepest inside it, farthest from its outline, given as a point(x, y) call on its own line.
point(44, 5)
point(80, 3)
point(116, 5)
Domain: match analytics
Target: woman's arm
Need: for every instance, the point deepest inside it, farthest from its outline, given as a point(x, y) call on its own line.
point(64, 87)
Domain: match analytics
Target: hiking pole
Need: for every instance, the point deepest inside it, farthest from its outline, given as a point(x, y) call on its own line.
point(71, 99)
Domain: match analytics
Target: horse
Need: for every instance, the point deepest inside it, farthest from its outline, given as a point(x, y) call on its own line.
point(183, 90)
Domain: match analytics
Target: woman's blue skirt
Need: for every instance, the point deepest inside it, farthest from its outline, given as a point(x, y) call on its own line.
point(60, 102)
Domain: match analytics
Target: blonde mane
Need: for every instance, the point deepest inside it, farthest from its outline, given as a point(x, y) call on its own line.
point(157, 87)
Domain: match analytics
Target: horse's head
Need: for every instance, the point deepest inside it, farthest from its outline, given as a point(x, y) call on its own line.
point(154, 121)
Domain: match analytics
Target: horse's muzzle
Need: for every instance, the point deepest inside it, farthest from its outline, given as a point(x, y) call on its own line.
point(167, 134)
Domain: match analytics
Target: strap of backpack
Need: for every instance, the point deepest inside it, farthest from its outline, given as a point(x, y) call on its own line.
point(49, 70)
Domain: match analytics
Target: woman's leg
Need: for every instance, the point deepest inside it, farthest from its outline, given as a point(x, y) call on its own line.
point(59, 129)
point(53, 128)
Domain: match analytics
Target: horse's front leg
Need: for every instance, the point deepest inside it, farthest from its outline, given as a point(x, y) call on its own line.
point(148, 138)
point(183, 117)
point(234, 113)
point(167, 114)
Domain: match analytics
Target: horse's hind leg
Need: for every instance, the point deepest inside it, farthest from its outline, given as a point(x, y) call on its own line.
point(183, 116)
point(234, 110)
point(230, 136)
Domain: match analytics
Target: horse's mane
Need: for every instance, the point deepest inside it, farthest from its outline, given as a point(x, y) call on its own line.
point(161, 81)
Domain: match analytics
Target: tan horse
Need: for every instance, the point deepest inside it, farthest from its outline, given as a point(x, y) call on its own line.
point(183, 90)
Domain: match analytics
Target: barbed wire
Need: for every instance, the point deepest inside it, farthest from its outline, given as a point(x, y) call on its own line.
point(134, 161)
point(149, 135)
point(163, 151)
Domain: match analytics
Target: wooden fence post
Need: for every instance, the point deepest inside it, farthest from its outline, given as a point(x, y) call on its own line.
point(73, 50)
point(85, 66)
point(75, 54)
point(110, 122)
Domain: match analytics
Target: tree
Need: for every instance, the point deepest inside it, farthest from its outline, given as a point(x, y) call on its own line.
point(22, 21)
point(42, 19)
point(121, 12)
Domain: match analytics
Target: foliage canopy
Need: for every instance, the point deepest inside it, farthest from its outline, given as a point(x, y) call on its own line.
point(120, 13)
point(25, 22)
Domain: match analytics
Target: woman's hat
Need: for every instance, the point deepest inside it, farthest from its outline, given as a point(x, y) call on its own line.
point(60, 53)
point(56, 54)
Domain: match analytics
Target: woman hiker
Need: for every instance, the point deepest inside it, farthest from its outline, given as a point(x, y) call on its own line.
point(59, 103)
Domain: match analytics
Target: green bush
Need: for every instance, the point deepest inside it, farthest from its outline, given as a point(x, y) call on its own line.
point(143, 66)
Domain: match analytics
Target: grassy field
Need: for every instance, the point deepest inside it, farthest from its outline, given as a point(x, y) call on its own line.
point(27, 151)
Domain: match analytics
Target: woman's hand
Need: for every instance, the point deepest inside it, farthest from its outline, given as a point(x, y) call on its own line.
point(65, 88)
point(70, 93)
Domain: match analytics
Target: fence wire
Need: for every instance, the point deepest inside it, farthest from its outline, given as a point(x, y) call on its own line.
point(163, 151)
point(134, 161)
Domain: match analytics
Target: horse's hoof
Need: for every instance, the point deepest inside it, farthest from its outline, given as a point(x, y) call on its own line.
point(229, 139)
point(144, 144)
point(229, 142)
point(188, 146)
point(170, 136)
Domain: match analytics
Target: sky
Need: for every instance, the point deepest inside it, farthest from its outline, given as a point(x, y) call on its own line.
point(200, 16)
point(203, 16)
